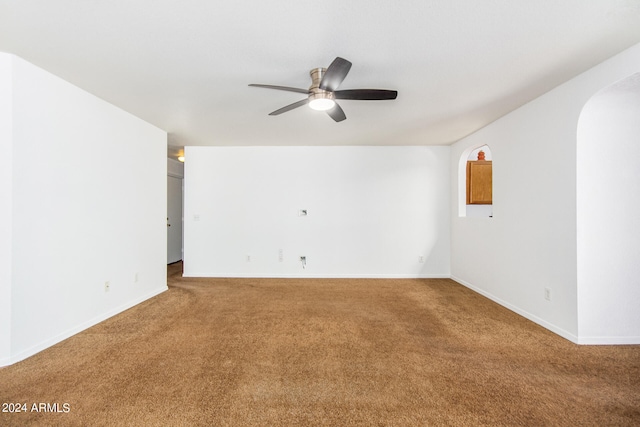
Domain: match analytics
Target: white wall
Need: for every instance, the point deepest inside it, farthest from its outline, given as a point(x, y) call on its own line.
point(372, 211)
point(530, 244)
point(89, 206)
point(608, 224)
point(6, 218)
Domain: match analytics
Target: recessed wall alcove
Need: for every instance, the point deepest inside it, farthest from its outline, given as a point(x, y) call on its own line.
point(478, 155)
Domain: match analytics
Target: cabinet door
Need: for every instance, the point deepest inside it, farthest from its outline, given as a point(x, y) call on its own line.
point(479, 182)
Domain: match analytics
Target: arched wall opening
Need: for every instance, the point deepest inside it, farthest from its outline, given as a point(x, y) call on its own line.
point(466, 209)
point(608, 205)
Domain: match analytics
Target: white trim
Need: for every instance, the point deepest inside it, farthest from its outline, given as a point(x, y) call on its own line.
point(535, 319)
point(73, 331)
point(317, 276)
point(609, 340)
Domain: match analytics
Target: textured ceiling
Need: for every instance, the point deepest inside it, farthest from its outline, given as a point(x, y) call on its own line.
point(184, 66)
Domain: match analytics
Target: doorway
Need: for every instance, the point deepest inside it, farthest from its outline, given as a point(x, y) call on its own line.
point(174, 219)
point(608, 201)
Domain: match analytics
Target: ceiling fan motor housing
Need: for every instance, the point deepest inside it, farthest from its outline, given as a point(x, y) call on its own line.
point(314, 90)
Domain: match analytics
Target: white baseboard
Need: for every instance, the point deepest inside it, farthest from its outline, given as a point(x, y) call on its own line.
point(609, 340)
point(317, 276)
point(79, 328)
point(553, 328)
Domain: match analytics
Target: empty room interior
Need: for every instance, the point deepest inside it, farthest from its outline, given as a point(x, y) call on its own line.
point(320, 213)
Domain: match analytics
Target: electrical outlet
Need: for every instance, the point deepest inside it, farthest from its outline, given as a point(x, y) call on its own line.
point(421, 259)
point(107, 286)
point(280, 255)
point(135, 278)
point(303, 260)
point(248, 258)
point(547, 294)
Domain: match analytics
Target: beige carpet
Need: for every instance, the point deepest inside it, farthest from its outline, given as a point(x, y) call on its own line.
point(290, 352)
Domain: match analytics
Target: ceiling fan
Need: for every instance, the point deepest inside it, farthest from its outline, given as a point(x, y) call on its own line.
point(322, 93)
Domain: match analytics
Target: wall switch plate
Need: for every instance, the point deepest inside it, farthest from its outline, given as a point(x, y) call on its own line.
point(107, 286)
point(135, 278)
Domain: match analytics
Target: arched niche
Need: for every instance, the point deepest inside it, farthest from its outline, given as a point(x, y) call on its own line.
point(608, 205)
point(464, 208)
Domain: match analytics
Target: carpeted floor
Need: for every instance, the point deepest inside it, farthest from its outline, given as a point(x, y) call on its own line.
point(292, 352)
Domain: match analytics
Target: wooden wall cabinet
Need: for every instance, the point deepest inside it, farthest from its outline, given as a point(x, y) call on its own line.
point(479, 182)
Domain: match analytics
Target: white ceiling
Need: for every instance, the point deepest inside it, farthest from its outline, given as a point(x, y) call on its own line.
point(184, 66)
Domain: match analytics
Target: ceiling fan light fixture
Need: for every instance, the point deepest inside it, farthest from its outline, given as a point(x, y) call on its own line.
point(321, 100)
point(322, 104)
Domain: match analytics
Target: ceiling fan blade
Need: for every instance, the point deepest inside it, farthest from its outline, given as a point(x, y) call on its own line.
point(366, 94)
point(336, 113)
point(335, 74)
point(287, 88)
point(290, 107)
